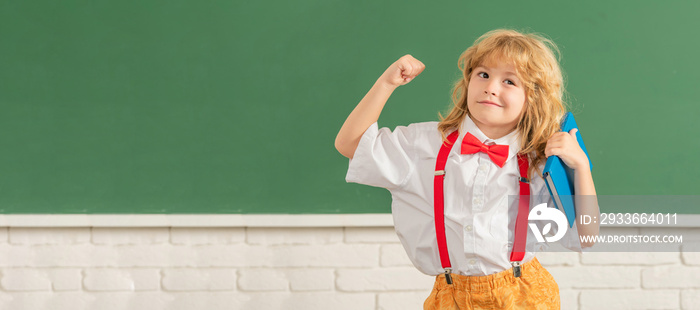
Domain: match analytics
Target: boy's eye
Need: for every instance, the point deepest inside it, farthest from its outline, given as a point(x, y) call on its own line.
point(510, 82)
point(483, 75)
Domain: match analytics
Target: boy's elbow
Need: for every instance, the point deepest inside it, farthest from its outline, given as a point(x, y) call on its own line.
point(588, 238)
point(343, 148)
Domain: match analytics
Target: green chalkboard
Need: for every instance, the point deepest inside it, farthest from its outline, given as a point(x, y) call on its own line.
point(233, 106)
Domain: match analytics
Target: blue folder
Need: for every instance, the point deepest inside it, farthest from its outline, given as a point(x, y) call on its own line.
point(560, 178)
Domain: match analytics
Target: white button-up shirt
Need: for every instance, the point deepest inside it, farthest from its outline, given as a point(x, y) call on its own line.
point(480, 198)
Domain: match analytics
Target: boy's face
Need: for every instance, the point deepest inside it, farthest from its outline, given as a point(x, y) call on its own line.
point(495, 98)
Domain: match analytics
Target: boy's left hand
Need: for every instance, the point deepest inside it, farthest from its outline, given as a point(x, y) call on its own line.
point(566, 146)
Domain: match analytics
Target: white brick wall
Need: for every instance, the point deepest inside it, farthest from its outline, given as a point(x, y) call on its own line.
point(295, 268)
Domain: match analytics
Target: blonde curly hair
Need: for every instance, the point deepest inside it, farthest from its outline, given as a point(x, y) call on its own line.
point(535, 60)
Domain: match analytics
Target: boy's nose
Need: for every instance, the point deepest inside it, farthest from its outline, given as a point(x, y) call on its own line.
point(490, 88)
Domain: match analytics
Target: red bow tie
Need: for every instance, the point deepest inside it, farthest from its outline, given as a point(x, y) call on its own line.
point(498, 153)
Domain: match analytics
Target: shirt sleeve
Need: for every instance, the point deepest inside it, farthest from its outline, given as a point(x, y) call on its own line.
point(383, 158)
point(571, 239)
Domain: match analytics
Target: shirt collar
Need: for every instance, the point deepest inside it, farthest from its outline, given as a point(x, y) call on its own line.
point(512, 139)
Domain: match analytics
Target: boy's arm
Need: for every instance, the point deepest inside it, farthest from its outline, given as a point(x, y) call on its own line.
point(367, 111)
point(586, 203)
point(565, 145)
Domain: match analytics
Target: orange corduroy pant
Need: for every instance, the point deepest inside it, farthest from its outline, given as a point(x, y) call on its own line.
point(534, 289)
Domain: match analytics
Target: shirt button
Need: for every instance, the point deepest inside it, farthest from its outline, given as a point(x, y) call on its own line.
point(472, 262)
point(468, 228)
point(483, 168)
point(477, 201)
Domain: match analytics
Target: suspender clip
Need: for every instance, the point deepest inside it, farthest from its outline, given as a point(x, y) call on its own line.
point(516, 269)
point(440, 172)
point(524, 180)
point(448, 275)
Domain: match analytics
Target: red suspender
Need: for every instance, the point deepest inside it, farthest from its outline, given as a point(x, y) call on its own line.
point(520, 235)
point(440, 199)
